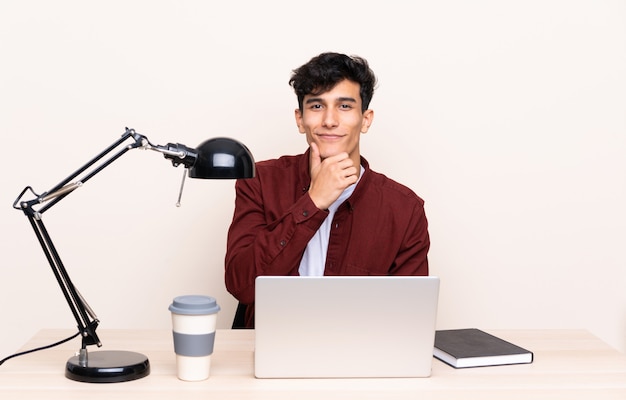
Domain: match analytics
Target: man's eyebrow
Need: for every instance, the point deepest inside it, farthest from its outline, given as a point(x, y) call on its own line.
point(338, 99)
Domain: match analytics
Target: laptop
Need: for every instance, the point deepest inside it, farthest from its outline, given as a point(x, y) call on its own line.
point(345, 326)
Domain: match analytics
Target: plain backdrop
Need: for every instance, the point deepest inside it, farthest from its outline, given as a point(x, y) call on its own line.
point(507, 117)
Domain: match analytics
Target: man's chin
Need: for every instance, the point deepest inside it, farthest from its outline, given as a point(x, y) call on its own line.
point(326, 152)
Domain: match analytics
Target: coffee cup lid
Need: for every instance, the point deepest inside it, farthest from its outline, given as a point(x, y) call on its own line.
point(194, 305)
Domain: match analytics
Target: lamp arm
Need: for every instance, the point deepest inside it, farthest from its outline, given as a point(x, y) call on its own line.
point(86, 319)
point(33, 209)
point(63, 188)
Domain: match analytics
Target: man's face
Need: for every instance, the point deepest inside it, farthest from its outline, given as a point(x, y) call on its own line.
point(333, 120)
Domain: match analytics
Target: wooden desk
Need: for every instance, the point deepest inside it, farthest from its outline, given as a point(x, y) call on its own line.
point(568, 365)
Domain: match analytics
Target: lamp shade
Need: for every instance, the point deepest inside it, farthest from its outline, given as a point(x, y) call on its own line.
point(222, 158)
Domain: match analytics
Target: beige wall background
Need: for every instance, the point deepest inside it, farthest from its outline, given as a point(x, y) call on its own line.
point(508, 118)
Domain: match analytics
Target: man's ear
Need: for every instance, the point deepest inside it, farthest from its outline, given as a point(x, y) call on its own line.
point(368, 118)
point(298, 115)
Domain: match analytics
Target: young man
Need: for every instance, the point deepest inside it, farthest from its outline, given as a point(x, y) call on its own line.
point(325, 212)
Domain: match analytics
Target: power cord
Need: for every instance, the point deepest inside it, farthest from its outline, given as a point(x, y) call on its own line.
point(39, 348)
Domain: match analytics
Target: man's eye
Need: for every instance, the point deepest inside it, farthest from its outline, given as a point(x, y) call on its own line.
point(345, 106)
point(316, 106)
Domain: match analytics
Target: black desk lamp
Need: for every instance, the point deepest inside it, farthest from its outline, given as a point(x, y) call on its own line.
point(218, 158)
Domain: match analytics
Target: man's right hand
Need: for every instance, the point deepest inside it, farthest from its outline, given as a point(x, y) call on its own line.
point(330, 177)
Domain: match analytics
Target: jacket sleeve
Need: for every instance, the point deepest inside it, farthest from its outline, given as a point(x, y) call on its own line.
point(261, 242)
point(412, 256)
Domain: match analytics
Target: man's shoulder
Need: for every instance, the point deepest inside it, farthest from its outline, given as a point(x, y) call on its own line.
point(392, 187)
point(285, 169)
point(286, 161)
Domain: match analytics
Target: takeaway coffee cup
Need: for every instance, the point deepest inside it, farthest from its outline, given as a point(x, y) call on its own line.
point(193, 326)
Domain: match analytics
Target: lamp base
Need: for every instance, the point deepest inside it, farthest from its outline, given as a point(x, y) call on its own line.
point(108, 366)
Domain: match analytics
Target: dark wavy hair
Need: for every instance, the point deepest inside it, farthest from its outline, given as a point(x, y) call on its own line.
point(324, 71)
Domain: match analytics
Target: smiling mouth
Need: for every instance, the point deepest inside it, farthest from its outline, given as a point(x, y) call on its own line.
point(329, 136)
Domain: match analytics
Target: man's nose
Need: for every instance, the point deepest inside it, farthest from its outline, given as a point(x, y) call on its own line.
point(330, 118)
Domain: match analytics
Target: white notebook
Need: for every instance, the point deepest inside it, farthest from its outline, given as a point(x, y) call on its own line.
point(345, 326)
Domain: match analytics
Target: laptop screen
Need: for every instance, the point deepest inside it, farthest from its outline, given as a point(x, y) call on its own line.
point(345, 326)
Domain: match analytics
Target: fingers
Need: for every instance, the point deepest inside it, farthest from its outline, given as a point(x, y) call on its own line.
point(330, 176)
point(316, 158)
point(342, 167)
point(339, 165)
